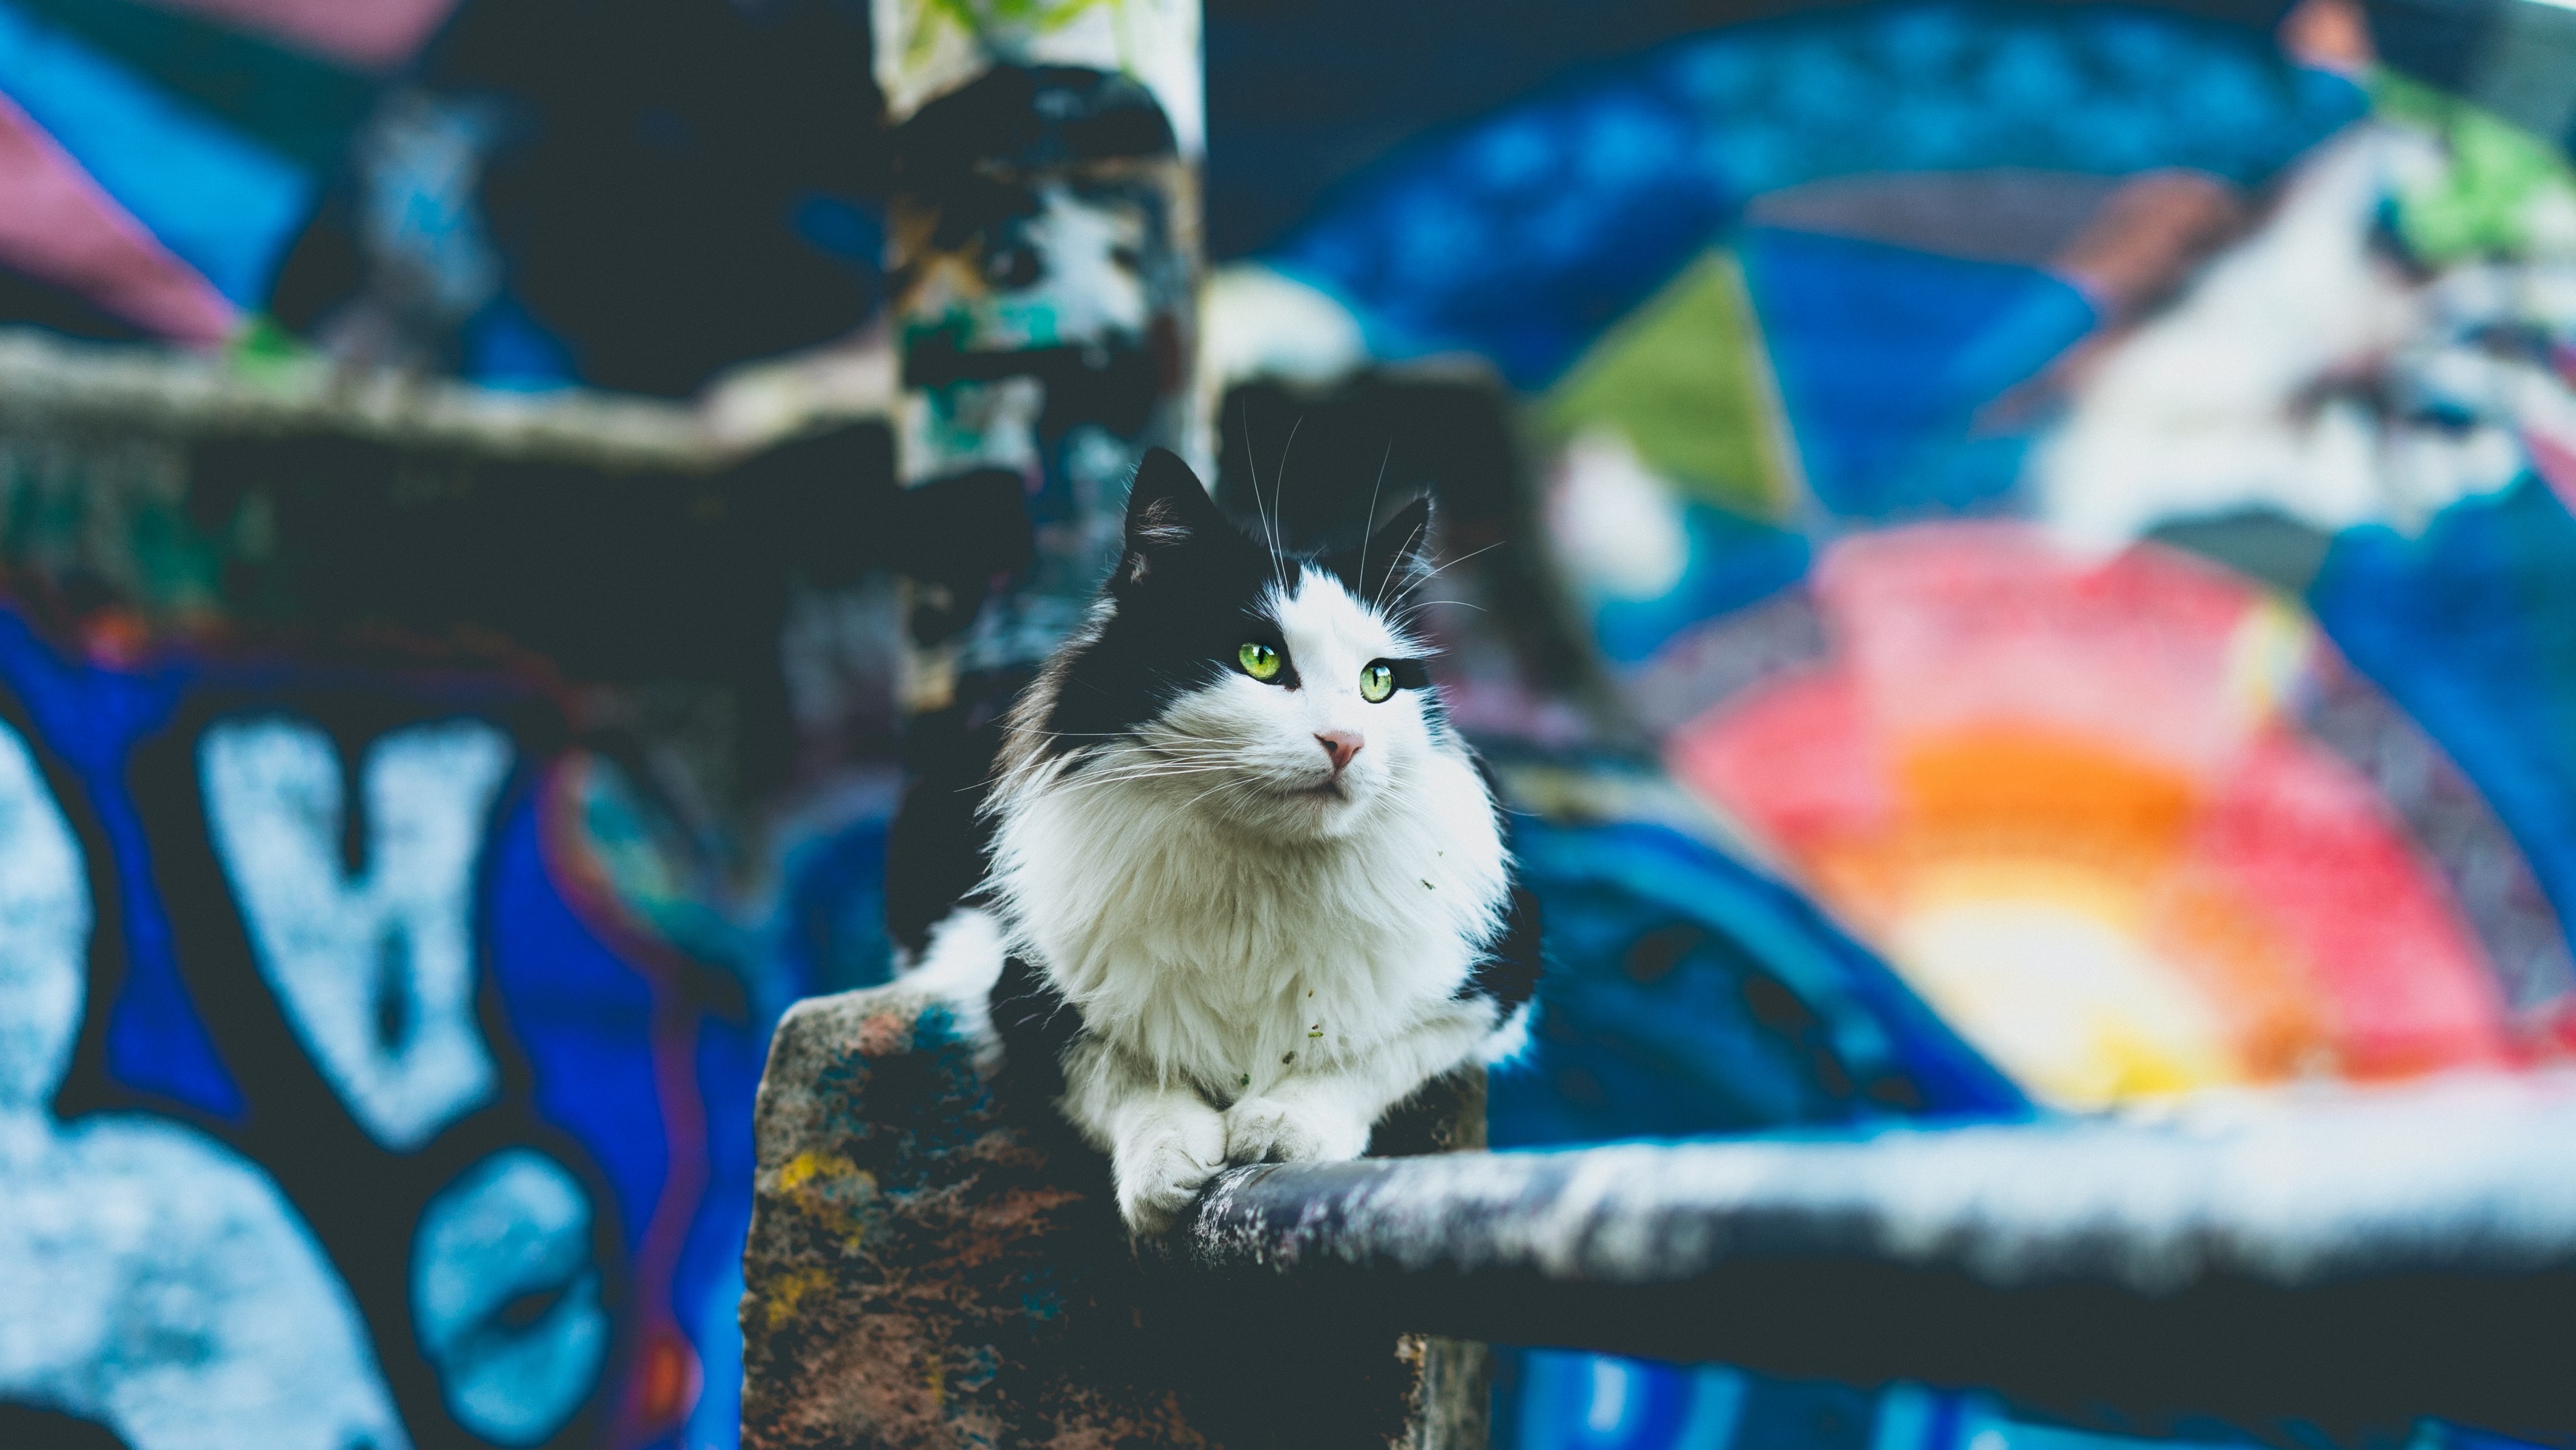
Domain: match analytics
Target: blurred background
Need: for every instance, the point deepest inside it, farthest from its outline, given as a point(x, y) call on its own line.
point(2012, 559)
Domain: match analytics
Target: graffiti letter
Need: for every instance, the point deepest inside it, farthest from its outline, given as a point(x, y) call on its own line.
point(506, 1298)
point(150, 1281)
point(374, 970)
point(44, 935)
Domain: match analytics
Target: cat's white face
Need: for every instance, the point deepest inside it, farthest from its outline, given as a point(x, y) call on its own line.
point(1307, 750)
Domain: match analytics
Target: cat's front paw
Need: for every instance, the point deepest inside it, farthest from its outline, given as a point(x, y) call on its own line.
point(1161, 1165)
point(1273, 1130)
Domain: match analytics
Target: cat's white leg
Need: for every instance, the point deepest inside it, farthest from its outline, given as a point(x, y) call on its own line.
point(1324, 1113)
point(1167, 1147)
point(1163, 1141)
point(1311, 1120)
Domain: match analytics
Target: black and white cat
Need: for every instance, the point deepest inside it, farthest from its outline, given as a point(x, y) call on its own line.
point(1252, 888)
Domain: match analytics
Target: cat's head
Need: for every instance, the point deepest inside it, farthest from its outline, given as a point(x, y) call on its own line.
point(1280, 691)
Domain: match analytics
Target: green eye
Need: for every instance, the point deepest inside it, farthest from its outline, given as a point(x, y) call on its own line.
point(1259, 661)
point(1376, 683)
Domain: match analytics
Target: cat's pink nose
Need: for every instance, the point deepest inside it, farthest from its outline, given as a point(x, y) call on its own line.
point(1341, 745)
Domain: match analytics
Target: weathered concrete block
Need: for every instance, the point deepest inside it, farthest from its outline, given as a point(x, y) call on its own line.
point(936, 1260)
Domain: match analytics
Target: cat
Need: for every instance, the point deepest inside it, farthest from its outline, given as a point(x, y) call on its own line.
point(1250, 888)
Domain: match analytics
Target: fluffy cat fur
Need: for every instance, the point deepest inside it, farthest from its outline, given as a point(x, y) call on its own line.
point(1243, 917)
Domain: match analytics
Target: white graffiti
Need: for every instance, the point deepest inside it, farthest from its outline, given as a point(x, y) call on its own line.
point(150, 1280)
point(2308, 371)
point(506, 1298)
point(375, 970)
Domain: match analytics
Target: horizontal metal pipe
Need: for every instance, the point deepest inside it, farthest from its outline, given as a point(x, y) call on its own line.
point(2339, 1264)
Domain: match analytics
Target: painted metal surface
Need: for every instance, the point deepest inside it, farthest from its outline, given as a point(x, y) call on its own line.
point(2337, 1266)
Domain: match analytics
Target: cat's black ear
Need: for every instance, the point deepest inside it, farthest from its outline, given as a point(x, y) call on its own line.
point(1398, 555)
point(1167, 508)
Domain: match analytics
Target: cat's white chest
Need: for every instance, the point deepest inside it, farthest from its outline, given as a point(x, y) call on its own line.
point(1235, 962)
point(1238, 1020)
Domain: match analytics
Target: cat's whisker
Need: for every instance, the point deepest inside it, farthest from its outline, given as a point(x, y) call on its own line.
point(1211, 790)
point(1378, 601)
point(1252, 465)
point(1210, 756)
point(1368, 525)
point(1415, 607)
point(1150, 770)
point(1091, 781)
point(1094, 782)
point(1435, 572)
point(1279, 486)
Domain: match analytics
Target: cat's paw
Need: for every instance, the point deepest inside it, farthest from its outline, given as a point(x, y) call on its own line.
point(1161, 1165)
point(1273, 1130)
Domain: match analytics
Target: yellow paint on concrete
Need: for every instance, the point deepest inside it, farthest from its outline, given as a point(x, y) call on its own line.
point(788, 1290)
point(805, 1167)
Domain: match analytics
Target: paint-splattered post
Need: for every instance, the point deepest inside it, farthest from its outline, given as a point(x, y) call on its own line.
point(936, 1261)
point(1044, 257)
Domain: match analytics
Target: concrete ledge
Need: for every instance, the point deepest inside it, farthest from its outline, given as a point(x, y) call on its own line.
point(935, 1260)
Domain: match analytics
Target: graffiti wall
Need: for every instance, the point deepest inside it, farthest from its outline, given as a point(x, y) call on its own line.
point(344, 1106)
point(2010, 559)
point(2073, 497)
